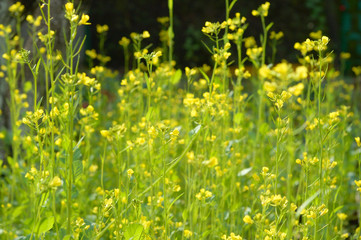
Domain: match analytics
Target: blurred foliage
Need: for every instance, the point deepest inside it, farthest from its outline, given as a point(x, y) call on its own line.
point(294, 17)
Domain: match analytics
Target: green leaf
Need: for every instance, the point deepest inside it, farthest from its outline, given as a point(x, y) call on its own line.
point(176, 77)
point(46, 225)
point(306, 203)
point(238, 118)
point(195, 214)
point(37, 67)
point(205, 76)
point(231, 5)
point(185, 215)
point(194, 130)
point(133, 232)
point(28, 86)
point(77, 169)
point(269, 26)
point(18, 211)
point(149, 114)
point(174, 201)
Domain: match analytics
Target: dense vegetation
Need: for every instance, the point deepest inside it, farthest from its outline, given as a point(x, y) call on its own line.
point(247, 148)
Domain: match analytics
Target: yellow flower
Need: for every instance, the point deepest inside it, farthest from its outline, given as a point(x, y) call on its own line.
point(264, 72)
point(30, 19)
point(55, 182)
point(124, 42)
point(297, 89)
point(174, 134)
point(203, 194)
point(69, 7)
point(130, 172)
point(275, 35)
point(358, 142)
point(105, 133)
point(316, 35)
point(187, 233)
point(344, 236)
point(145, 34)
point(342, 216)
point(269, 86)
point(232, 236)
point(262, 10)
point(247, 219)
point(101, 29)
point(176, 188)
point(37, 21)
point(16, 8)
point(29, 176)
point(91, 53)
point(358, 184)
point(213, 161)
point(357, 70)
point(345, 55)
point(93, 168)
point(84, 20)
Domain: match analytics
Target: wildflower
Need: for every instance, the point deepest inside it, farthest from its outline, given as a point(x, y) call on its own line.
point(262, 10)
point(316, 35)
point(187, 233)
point(213, 28)
point(29, 176)
point(270, 87)
point(84, 20)
point(93, 168)
point(254, 53)
point(342, 216)
point(130, 173)
point(247, 219)
point(174, 134)
point(105, 133)
point(79, 222)
point(108, 203)
point(293, 207)
point(264, 72)
point(358, 184)
point(232, 236)
point(213, 161)
point(344, 236)
point(101, 29)
point(358, 142)
point(163, 20)
point(276, 36)
point(69, 7)
point(249, 42)
point(297, 89)
point(203, 194)
point(17, 8)
point(145, 34)
point(55, 182)
point(357, 70)
point(176, 188)
point(30, 19)
point(345, 55)
point(124, 42)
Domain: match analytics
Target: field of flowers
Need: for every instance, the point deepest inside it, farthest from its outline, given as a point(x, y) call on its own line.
point(247, 148)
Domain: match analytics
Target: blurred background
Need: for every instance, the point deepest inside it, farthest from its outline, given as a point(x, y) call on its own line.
point(338, 19)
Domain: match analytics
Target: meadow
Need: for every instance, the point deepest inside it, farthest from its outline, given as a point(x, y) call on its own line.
point(247, 148)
